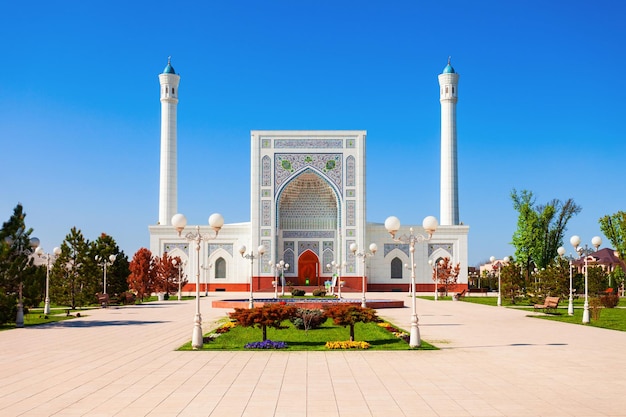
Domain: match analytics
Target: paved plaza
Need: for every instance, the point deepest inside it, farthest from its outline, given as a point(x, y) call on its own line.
point(493, 362)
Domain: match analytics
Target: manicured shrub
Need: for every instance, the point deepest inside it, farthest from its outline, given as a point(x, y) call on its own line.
point(269, 315)
point(609, 300)
point(297, 293)
point(306, 319)
point(319, 292)
point(349, 315)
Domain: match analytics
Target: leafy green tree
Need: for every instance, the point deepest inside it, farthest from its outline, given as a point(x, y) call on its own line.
point(349, 315)
point(269, 315)
point(512, 281)
point(74, 280)
point(142, 273)
point(540, 228)
point(118, 271)
point(614, 228)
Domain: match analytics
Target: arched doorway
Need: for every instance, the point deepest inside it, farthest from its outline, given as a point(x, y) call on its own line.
point(308, 268)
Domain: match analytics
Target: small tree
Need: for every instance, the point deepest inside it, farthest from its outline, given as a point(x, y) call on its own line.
point(271, 315)
point(349, 315)
point(141, 278)
point(446, 274)
point(166, 273)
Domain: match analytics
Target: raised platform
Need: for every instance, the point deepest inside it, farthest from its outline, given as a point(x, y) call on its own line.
point(307, 302)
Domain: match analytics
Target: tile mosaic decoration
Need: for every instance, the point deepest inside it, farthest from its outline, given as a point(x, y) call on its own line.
point(264, 260)
point(350, 171)
point(266, 232)
point(308, 234)
point(312, 246)
point(212, 247)
point(327, 258)
point(350, 193)
point(289, 258)
point(404, 247)
point(350, 233)
point(266, 212)
point(168, 247)
point(287, 165)
point(448, 247)
point(350, 213)
point(266, 171)
point(308, 143)
point(350, 143)
point(266, 143)
point(328, 244)
point(266, 193)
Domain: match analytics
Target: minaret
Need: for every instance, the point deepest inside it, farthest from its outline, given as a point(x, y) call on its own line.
point(448, 93)
point(168, 195)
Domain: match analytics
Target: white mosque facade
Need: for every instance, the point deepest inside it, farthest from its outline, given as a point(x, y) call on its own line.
point(307, 207)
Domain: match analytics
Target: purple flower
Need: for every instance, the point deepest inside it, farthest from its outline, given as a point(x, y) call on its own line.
point(266, 344)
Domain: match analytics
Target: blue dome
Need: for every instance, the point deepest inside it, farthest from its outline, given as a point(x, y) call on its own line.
point(169, 69)
point(448, 69)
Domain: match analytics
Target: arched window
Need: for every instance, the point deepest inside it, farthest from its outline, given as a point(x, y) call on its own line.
point(396, 268)
point(220, 268)
point(173, 89)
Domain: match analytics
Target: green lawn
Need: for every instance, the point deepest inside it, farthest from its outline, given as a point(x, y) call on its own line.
point(298, 340)
point(35, 317)
point(610, 318)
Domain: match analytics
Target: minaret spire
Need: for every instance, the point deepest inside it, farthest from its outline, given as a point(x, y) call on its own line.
point(168, 187)
point(448, 97)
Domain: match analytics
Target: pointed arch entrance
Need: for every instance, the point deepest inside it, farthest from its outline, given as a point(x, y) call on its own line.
point(308, 268)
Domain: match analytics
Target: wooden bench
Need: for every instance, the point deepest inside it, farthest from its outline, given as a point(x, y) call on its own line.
point(550, 303)
point(458, 295)
point(103, 300)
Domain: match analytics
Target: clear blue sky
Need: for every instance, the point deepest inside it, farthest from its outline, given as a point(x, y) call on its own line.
point(541, 106)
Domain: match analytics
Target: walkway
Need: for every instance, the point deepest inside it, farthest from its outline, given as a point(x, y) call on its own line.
point(493, 362)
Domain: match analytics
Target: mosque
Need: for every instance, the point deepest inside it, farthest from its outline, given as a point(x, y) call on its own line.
point(307, 208)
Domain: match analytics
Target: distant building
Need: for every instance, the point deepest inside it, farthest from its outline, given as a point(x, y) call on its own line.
point(308, 205)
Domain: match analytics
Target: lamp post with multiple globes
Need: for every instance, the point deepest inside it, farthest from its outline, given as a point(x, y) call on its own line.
point(104, 262)
point(504, 261)
point(570, 304)
point(596, 241)
point(392, 224)
point(216, 221)
point(436, 265)
point(49, 262)
point(354, 249)
point(180, 266)
point(336, 267)
point(252, 257)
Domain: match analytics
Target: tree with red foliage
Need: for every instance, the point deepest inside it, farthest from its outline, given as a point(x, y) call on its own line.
point(142, 272)
point(446, 273)
point(166, 273)
point(271, 315)
point(349, 315)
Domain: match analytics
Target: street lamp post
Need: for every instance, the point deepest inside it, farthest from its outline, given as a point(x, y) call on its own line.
point(436, 266)
point(570, 304)
point(20, 250)
point(282, 267)
point(207, 274)
point(48, 258)
point(274, 267)
point(251, 256)
point(216, 221)
point(596, 241)
point(504, 261)
point(104, 262)
point(180, 266)
point(354, 249)
point(392, 224)
point(335, 266)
